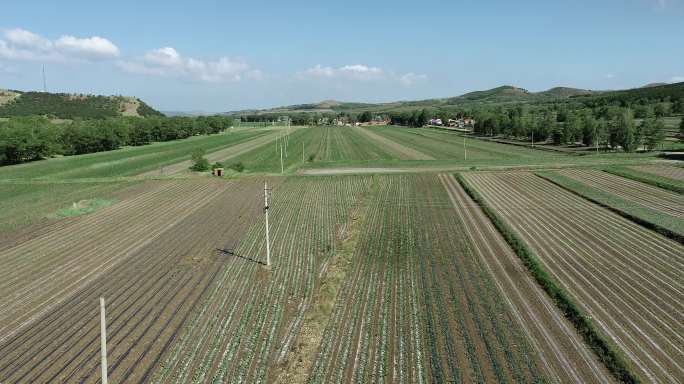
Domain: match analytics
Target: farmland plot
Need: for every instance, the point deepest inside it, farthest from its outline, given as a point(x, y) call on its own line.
point(421, 302)
point(250, 317)
point(626, 278)
point(152, 257)
point(447, 145)
point(665, 202)
point(314, 144)
point(127, 161)
point(668, 171)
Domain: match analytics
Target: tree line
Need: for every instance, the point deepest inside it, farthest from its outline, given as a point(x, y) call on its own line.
point(32, 138)
point(605, 126)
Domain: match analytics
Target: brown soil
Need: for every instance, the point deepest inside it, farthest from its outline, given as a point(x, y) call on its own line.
point(150, 287)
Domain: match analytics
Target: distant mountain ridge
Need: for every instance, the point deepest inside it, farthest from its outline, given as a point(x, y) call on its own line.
point(71, 106)
point(502, 94)
point(505, 93)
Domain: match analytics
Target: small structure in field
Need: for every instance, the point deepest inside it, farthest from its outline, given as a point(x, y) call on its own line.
point(217, 172)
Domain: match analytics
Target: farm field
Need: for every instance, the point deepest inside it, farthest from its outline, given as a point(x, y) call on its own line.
point(670, 172)
point(645, 204)
point(25, 203)
point(153, 271)
point(375, 278)
point(665, 202)
point(625, 277)
point(446, 315)
point(127, 161)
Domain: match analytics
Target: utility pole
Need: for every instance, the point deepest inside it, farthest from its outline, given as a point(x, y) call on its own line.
point(103, 340)
point(465, 150)
point(268, 241)
point(532, 139)
point(282, 170)
point(302, 152)
point(596, 139)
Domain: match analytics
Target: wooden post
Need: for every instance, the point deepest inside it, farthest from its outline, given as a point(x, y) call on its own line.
point(268, 241)
point(103, 340)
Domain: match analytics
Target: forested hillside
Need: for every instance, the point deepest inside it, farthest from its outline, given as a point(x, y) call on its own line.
point(70, 106)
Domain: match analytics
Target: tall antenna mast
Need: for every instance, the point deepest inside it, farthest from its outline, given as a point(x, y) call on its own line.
point(44, 81)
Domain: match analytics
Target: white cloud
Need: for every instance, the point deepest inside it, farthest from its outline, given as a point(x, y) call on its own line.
point(411, 78)
point(92, 47)
point(609, 76)
point(28, 40)
point(355, 72)
point(20, 44)
point(168, 62)
point(676, 79)
point(361, 72)
point(318, 71)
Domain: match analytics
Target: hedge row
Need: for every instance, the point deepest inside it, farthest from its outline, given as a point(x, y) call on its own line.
point(606, 353)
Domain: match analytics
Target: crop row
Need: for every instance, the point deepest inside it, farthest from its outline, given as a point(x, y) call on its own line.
point(148, 298)
point(598, 258)
point(250, 316)
point(418, 305)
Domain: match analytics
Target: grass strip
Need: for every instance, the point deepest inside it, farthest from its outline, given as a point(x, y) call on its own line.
point(602, 347)
point(654, 180)
point(668, 226)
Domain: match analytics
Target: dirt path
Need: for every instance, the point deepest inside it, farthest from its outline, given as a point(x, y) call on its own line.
point(220, 155)
point(402, 151)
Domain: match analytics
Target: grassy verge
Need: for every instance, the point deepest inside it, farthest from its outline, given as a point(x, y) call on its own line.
point(655, 180)
point(604, 349)
point(666, 225)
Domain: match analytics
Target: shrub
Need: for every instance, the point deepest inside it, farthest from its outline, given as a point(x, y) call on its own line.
point(239, 167)
point(199, 162)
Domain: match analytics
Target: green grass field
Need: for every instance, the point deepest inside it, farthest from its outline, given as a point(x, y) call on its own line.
point(128, 161)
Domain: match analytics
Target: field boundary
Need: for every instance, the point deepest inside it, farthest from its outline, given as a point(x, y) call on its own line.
point(642, 222)
point(633, 175)
point(605, 351)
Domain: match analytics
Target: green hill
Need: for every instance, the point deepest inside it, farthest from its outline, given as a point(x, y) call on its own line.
point(70, 106)
point(500, 95)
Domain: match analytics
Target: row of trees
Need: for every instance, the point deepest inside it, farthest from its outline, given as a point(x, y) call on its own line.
point(614, 129)
point(32, 138)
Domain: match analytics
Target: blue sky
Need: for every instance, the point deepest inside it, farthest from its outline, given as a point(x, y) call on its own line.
point(226, 55)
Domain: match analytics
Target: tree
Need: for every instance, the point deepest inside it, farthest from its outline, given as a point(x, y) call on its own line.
point(199, 162)
point(623, 132)
point(588, 130)
point(653, 131)
point(365, 117)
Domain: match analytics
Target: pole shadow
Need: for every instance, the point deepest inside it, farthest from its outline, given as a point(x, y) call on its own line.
point(230, 252)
